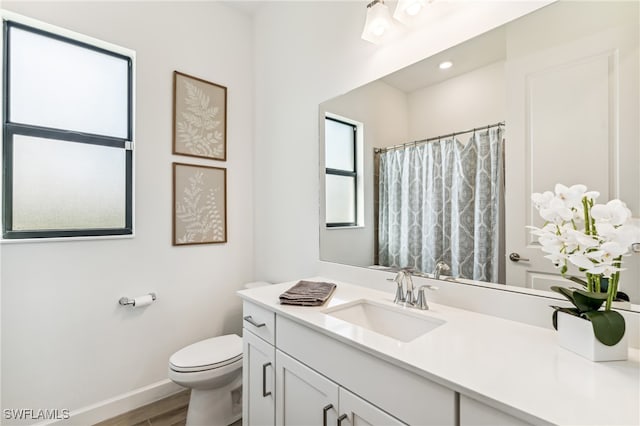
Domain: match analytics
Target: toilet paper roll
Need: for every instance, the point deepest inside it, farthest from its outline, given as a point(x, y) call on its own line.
point(141, 301)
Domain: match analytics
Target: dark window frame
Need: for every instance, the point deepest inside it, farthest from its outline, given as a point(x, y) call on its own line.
point(348, 173)
point(10, 129)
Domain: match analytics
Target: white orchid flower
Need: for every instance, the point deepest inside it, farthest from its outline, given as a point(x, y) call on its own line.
point(581, 261)
point(614, 212)
point(604, 269)
point(557, 211)
point(572, 196)
point(611, 250)
point(542, 200)
point(564, 239)
point(557, 259)
point(581, 239)
point(624, 235)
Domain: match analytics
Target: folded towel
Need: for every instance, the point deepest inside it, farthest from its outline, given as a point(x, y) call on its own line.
point(307, 293)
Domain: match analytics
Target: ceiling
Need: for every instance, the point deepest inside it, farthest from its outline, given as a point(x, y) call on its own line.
point(468, 56)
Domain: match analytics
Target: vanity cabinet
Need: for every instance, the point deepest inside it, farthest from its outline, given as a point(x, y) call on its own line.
point(312, 372)
point(258, 366)
point(308, 398)
point(258, 384)
point(304, 396)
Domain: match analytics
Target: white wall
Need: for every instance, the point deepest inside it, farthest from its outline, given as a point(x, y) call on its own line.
point(382, 110)
point(464, 102)
point(308, 52)
point(66, 343)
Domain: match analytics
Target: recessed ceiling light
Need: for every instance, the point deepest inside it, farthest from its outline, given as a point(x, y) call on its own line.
point(445, 65)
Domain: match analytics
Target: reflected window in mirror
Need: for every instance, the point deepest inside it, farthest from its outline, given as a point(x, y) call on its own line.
point(342, 171)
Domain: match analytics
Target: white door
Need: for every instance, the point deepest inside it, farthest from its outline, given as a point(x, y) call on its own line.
point(572, 117)
point(305, 398)
point(355, 411)
point(258, 363)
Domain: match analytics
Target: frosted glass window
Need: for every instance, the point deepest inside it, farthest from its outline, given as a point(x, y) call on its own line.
point(339, 145)
point(340, 199)
point(61, 85)
point(68, 142)
point(67, 185)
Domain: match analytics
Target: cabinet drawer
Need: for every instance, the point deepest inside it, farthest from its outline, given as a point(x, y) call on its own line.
point(259, 321)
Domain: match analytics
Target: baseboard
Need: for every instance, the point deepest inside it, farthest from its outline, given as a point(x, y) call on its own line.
point(120, 404)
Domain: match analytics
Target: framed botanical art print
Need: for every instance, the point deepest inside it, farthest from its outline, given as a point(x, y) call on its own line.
point(199, 204)
point(199, 117)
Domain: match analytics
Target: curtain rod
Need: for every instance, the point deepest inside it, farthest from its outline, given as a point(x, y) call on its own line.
point(436, 138)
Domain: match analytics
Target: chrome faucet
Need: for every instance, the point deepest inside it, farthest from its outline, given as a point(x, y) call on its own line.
point(403, 276)
point(405, 297)
point(440, 267)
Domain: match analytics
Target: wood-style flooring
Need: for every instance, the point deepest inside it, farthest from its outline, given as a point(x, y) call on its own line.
point(170, 411)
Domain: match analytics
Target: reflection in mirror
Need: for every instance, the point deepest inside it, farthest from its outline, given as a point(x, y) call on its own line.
point(564, 80)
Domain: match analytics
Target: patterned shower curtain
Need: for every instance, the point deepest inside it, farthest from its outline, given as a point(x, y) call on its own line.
point(442, 201)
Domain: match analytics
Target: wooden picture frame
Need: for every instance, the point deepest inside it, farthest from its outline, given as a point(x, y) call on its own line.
point(199, 118)
point(199, 204)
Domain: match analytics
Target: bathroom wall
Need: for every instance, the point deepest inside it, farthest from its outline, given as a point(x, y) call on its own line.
point(306, 53)
point(382, 110)
point(66, 343)
point(470, 100)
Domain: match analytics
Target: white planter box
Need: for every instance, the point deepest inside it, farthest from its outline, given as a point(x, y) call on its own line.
point(576, 335)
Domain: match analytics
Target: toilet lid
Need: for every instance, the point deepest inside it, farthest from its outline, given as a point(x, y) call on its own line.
point(208, 354)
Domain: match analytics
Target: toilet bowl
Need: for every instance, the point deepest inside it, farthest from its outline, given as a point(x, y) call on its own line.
point(212, 369)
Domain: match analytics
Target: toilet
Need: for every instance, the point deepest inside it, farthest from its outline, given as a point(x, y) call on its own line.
point(212, 369)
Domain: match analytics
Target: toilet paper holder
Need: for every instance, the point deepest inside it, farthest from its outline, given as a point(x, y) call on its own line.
point(124, 301)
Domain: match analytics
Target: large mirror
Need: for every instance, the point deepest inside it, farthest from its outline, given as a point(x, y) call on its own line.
point(552, 97)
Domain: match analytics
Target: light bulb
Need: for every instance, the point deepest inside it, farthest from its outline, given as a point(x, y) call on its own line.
point(445, 65)
point(413, 9)
point(377, 23)
point(378, 28)
point(408, 10)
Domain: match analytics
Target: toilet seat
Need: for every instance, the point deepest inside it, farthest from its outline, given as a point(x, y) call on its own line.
point(208, 354)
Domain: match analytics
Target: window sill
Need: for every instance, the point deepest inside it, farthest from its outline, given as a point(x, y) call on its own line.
point(335, 228)
point(65, 239)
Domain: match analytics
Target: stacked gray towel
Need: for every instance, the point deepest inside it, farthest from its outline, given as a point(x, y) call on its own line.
point(307, 293)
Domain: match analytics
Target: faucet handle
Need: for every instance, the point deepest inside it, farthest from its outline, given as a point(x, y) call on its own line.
point(399, 298)
point(409, 299)
point(421, 300)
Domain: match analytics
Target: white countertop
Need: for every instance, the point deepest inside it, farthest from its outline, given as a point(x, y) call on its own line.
point(487, 358)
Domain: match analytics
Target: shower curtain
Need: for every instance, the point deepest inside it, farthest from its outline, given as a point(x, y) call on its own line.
point(442, 201)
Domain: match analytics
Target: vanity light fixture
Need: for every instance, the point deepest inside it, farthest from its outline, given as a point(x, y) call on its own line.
point(445, 65)
point(406, 10)
point(378, 21)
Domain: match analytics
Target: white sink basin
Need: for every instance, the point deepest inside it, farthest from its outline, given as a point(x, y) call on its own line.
point(392, 321)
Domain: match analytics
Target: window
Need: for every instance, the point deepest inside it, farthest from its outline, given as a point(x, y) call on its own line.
point(341, 174)
point(67, 135)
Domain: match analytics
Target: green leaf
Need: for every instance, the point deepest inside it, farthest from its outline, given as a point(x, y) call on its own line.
point(585, 301)
point(570, 311)
point(608, 326)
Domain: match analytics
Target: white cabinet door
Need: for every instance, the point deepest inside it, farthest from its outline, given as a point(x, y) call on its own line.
point(474, 413)
point(258, 368)
point(355, 411)
point(305, 398)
